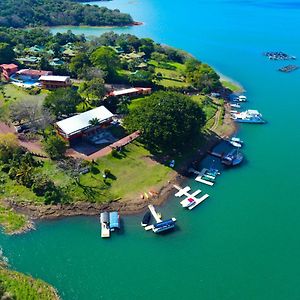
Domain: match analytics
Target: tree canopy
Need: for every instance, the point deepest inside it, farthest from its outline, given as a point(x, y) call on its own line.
point(62, 101)
point(22, 13)
point(106, 59)
point(6, 53)
point(167, 120)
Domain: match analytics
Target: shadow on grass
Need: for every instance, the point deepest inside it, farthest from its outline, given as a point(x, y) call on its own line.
point(188, 156)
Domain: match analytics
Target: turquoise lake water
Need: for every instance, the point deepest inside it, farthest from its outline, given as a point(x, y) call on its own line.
point(244, 241)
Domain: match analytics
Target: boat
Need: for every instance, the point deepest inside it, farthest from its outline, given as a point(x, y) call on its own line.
point(164, 225)
point(235, 105)
point(236, 139)
point(114, 221)
point(187, 202)
point(248, 116)
point(146, 219)
point(104, 220)
point(235, 144)
point(233, 158)
point(242, 98)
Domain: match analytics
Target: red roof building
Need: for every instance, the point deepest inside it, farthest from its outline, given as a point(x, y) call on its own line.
point(8, 69)
point(34, 73)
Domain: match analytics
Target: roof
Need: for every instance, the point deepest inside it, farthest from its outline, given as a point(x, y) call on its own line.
point(128, 91)
point(8, 66)
point(114, 220)
point(80, 122)
point(54, 78)
point(31, 72)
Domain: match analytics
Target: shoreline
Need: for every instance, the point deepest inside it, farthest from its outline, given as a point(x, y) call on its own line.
point(127, 206)
point(135, 23)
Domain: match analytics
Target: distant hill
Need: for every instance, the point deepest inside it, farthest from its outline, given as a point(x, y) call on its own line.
point(32, 13)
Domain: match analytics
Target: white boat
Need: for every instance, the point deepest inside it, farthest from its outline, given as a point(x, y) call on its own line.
point(236, 139)
point(241, 98)
point(235, 144)
point(235, 105)
point(248, 116)
point(187, 202)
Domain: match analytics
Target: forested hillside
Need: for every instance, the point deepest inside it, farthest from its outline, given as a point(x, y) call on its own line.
point(23, 13)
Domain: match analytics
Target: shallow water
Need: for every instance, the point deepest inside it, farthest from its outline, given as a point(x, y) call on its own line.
point(244, 241)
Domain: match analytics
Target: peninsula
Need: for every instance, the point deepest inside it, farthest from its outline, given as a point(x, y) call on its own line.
point(32, 13)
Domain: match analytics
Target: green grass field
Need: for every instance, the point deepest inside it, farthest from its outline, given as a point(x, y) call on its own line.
point(232, 86)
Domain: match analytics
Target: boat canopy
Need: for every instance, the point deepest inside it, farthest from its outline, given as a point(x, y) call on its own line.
point(114, 221)
point(104, 217)
point(166, 223)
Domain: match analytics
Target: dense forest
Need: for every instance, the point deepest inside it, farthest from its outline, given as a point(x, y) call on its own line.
point(24, 13)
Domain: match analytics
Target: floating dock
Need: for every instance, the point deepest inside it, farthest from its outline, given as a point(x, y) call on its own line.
point(198, 201)
point(104, 220)
point(191, 201)
point(200, 175)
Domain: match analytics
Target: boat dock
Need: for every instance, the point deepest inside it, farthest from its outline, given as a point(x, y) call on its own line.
point(104, 220)
point(200, 175)
point(191, 201)
point(198, 201)
point(155, 215)
point(216, 154)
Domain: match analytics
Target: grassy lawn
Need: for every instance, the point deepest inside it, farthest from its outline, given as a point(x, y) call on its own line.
point(10, 220)
point(14, 93)
point(172, 76)
point(133, 173)
point(23, 287)
point(232, 86)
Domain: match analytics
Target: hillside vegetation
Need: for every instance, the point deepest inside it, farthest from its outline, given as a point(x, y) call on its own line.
point(30, 13)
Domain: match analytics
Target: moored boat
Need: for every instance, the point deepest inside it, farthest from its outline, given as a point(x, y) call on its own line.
point(146, 219)
point(164, 225)
point(248, 116)
point(233, 158)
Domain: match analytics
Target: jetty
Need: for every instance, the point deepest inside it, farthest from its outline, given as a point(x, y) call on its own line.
point(104, 220)
point(200, 176)
point(191, 200)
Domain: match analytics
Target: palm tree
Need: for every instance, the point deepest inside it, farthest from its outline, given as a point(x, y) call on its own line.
point(94, 122)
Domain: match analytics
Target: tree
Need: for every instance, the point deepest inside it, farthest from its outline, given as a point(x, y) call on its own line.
point(107, 60)
point(31, 112)
point(204, 78)
point(6, 53)
point(42, 184)
point(62, 101)
point(55, 147)
point(167, 121)
point(94, 122)
point(79, 63)
point(93, 90)
point(8, 146)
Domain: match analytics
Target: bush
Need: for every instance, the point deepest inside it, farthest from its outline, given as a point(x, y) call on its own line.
point(42, 185)
point(55, 147)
